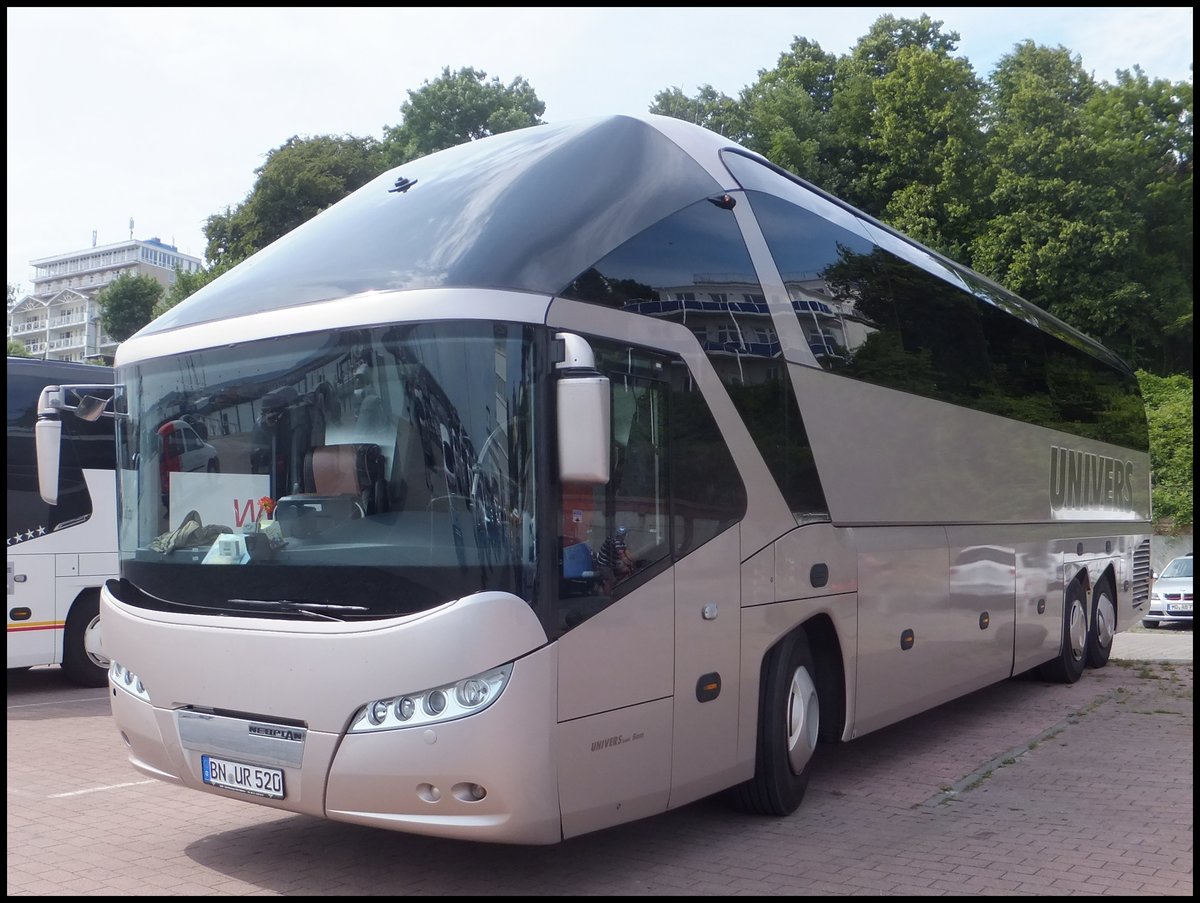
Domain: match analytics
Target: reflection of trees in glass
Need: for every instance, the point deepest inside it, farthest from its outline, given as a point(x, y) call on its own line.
point(933, 339)
point(593, 286)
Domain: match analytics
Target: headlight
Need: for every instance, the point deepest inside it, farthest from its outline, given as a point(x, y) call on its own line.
point(1155, 596)
point(445, 703)
point(124, 679)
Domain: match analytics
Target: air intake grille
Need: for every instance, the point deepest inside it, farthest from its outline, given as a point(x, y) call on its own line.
point(1141, 574)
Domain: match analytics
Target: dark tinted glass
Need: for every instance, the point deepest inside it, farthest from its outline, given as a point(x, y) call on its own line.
point(523, 210)
point(873, 316)
point(707, 494)
point(693, 268)
point(83, 444)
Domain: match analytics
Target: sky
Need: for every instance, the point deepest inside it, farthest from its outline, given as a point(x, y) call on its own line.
point(161, 115)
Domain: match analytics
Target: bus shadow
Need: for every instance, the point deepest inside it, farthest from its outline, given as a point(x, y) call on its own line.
point(44, 693)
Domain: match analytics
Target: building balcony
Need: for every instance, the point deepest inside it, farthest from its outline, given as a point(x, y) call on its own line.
point(68, 321)
point(26, 327)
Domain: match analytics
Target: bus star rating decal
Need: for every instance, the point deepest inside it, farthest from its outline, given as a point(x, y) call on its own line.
point(21, 537)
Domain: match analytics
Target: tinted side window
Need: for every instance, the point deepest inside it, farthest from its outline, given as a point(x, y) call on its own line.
point(693, 268)
point(673, 485)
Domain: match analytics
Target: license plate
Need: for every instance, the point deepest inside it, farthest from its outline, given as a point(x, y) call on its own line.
point(253, 779)
point(1179, 606)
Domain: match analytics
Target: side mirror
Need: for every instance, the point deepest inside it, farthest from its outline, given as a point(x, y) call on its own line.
point(584, 414)
point(47, 435)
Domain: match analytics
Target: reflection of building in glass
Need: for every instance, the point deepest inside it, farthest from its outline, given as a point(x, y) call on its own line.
point(729, 316)
point(830, 322)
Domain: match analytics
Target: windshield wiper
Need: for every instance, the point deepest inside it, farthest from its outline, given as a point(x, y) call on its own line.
point(310, 609)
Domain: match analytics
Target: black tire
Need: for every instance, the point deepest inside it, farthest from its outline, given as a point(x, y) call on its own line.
point(1153, 625)
point(789, 723)
point(79, 665)
point(1102, 625)
point(1073, 652)
point(214, 466)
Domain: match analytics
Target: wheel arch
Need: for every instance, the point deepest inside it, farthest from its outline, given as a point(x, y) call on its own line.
point(830, 664)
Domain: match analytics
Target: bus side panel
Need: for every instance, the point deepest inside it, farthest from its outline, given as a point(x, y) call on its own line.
point(36, 638)
point(614, 767)
point(914, 650)
point(622, 656)
point(983, 577)
point(890, 457)
point(707, 631)
point(1039, 586)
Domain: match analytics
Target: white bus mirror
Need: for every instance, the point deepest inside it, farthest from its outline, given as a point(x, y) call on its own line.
point(584, 419)
point(47, 436)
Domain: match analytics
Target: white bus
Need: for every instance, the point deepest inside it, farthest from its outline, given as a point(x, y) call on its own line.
point(59, 555)
point(577, 473)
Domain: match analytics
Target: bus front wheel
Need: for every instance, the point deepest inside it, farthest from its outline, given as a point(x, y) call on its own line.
point(1067, 668)
point(789, 724)
point(82, 661)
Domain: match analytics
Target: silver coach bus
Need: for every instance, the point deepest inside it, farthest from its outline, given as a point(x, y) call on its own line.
point(577, 473)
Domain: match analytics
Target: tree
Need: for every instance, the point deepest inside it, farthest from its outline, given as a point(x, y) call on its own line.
point(458, 107)
point(17, 349)
point(1142, 132)
point(709, 108)
point(1169, 414)
point(1090, 209)
point(12, 294)
point(127, 304)
point(186, 284)
point(787, 112)
point(299, 179)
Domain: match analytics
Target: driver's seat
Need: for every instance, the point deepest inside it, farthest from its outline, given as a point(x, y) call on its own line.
point(352, 469)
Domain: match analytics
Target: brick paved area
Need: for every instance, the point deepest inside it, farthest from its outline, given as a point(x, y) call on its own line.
point(1021, 789)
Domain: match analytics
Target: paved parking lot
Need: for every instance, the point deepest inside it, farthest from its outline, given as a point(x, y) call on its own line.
point(1021, 789)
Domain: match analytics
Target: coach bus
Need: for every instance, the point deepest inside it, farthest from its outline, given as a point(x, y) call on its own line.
point(59, 555)
point(577, 473)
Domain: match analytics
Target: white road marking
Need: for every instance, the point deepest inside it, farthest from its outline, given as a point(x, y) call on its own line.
point(58, 796)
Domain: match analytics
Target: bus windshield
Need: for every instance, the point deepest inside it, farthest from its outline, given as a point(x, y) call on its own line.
point(355, 474)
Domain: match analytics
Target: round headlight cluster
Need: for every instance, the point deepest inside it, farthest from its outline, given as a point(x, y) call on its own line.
point(446, 703)
point(124, 679)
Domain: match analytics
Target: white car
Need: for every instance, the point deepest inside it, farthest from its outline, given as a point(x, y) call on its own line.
point(183, 451)
point(1171, 594)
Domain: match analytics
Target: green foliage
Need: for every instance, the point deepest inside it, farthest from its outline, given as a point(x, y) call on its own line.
point(299, 179)
point(1169, 402)
point(458, 107)
point(127, 304)
point(12, 295)
point(709, 108)
point(188, 284)
point(17, 349)
point(1074, 193)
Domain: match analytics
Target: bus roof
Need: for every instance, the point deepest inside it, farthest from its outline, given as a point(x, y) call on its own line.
point(526, 210)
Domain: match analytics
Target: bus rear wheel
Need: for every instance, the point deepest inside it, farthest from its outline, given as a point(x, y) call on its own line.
point(789, 725)
point(82, 661)
point(1102, 626)
point(1072, 656)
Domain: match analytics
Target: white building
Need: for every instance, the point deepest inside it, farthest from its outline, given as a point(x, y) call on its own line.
point(60, 320)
